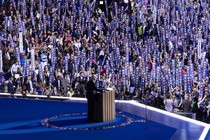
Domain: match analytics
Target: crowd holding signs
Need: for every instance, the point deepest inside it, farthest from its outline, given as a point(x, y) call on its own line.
point(144, 48)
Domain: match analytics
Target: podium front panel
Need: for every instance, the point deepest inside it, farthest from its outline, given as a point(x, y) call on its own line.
point(105, 106)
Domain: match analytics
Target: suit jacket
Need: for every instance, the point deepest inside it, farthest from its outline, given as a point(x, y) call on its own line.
point(55, 84)
point(10, 87)
point(64, 84)
point(91, 89)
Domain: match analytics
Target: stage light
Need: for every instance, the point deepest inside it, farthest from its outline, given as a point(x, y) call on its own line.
point(101, 2)
point(125, 1)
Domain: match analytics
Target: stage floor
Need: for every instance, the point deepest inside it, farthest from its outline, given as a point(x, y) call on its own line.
point(55, 120)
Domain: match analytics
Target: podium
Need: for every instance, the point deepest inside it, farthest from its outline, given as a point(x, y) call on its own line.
point(104, 109)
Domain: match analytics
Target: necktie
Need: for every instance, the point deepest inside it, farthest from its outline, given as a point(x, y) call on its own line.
point(59, 84)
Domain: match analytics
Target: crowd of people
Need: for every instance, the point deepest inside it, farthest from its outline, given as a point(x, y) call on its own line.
point(156, 51)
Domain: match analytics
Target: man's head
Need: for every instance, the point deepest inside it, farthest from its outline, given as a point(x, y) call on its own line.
point(11, 78)
point(59, 77)
point(94, 77)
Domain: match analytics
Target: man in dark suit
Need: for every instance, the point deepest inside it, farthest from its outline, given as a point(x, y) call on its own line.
point(58, 84)
point(91, 96)
point(29, 85)
point(11, 87)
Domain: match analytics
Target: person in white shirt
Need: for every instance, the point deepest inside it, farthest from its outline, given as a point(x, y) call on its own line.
point(77, 44)
point(168, 103)
point(14, 68)
point(102, 53)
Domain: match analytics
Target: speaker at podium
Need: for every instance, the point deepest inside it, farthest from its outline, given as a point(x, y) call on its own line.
point(101, 101)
